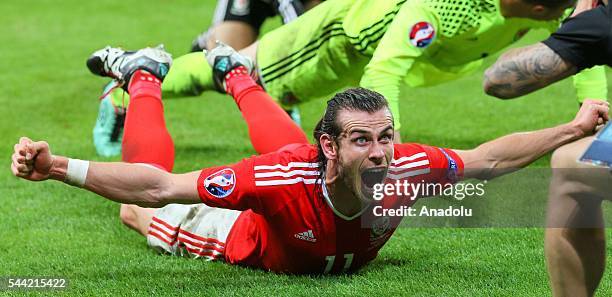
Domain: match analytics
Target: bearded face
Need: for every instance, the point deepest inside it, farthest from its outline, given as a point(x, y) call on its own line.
point(364, 150)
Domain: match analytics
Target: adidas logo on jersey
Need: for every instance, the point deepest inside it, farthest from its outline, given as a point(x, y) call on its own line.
point(306, 235)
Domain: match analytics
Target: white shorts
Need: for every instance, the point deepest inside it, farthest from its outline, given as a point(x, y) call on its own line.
point(196, 230)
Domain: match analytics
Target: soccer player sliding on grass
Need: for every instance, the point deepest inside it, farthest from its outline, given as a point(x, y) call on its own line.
point(295, 208)
point(381, 46)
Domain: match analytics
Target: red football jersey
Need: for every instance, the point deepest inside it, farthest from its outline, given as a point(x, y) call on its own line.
point(288, 223)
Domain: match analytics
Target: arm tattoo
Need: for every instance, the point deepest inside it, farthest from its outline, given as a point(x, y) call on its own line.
point(523, 70)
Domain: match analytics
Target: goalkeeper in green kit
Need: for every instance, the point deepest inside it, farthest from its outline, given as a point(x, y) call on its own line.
point(380, 45)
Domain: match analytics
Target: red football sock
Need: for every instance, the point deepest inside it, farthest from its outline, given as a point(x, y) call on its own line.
point(145, 137)
point(270, 127)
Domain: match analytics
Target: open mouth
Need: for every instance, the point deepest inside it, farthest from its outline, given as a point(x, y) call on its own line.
point(373, 176)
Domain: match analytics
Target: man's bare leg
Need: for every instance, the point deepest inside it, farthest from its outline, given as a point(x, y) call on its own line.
point(235, 34)
point(250, 51)
point(310, 4)
point(136, 217)
point(575, 241)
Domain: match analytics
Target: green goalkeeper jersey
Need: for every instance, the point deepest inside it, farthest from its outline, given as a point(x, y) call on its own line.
point(381, 44)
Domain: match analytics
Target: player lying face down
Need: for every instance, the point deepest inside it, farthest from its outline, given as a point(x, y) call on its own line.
point(378, 45)
point(271, 211)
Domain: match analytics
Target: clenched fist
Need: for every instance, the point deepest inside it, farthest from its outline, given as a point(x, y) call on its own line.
point(32, 160)
point(592, 114)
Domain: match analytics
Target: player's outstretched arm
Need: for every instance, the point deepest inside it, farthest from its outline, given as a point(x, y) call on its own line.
point(138, 184)
point(514, 151)
point(523, 70)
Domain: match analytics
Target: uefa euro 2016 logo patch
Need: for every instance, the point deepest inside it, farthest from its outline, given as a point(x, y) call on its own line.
point(422, 34)
point(221, 183)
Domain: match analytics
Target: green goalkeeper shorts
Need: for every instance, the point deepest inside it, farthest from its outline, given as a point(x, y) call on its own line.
point(310, 57)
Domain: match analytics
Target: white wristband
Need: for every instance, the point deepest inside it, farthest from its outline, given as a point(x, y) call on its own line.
point(76, 173)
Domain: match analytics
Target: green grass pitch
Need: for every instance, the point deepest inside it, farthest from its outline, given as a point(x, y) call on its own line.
point(49, 229)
